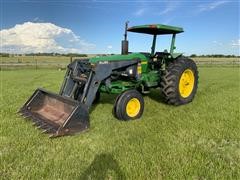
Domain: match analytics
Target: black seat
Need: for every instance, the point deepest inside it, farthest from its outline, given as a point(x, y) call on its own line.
point(161, 54)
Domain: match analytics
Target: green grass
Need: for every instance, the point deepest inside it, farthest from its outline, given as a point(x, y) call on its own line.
point(200, 140)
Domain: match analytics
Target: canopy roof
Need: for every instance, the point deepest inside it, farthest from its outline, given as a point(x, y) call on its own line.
point(155, 29)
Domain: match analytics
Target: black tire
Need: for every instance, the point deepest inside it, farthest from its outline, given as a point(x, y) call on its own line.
point(120, 106)
point(170, 81)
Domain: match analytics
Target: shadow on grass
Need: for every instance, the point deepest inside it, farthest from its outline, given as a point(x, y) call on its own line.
point(101, 167)
point(156, 95)
point(108, 98)
point(105, 99)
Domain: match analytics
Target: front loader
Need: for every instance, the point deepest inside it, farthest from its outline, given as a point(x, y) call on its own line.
point(129, 75)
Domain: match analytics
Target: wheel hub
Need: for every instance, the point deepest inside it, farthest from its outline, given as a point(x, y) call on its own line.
point(133, 107)
point(186, 83)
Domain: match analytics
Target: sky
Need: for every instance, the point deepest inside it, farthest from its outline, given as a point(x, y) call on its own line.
point(210, 26)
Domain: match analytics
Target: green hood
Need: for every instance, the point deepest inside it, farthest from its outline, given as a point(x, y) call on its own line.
point(119, 57)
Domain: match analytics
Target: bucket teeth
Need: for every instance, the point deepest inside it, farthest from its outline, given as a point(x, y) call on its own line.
point(41, 126)
point(26, 116)
point(44, 131)
point(54, 135)
point(36, 123)
point(49, 130)
point(46, 126)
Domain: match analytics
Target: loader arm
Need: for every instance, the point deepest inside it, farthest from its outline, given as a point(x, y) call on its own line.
point(101, 72)
point(65, 113)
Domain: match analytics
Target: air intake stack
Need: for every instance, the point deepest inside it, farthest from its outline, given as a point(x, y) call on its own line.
point(125, 41)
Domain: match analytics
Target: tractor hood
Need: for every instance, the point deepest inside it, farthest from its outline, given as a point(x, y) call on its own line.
point(119, 57)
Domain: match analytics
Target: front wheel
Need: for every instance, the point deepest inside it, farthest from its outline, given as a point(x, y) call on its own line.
point(179, 81)
point(129, 105)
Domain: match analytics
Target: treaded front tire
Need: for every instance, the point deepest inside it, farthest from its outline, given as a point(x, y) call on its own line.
point(129, 105)
point(179, 81)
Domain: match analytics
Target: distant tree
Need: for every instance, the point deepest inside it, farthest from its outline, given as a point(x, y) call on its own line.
point(4, 55)
point(193, 55)
point(75, 55)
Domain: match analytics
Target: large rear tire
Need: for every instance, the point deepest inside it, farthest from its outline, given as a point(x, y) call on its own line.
point(179, 81)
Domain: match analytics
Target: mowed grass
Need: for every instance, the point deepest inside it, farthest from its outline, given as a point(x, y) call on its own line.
point(200, 140)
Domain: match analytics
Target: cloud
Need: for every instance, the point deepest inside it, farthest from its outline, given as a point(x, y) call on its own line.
point(140, 12)
point(153, 9)
point(166, 10)
point(211, 6)
point(37, 19)
point(217, 43)
point(235, 43)
point(171, 6)
point(109, 47)
point(31, 37)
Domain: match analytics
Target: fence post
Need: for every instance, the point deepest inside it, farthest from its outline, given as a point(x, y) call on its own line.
point(70, 59)
point(36, 64)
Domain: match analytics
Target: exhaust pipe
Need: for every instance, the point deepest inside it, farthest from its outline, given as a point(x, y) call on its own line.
point(125, 41)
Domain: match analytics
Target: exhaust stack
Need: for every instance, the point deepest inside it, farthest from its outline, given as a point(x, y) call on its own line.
point(125, 41)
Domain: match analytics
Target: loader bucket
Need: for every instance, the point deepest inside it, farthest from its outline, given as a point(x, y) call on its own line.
point(55, 114)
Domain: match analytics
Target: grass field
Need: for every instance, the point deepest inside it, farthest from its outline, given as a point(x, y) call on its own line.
point(200, 140)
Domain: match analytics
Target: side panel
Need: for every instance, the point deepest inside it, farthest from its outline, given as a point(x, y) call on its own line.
point(151, 79)
point(118, 87)
point(175, 55)
point(118, 57)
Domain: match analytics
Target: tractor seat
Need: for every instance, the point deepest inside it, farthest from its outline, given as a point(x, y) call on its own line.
point(161, 54)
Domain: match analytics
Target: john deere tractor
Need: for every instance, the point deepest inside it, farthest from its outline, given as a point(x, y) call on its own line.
point(129, 75)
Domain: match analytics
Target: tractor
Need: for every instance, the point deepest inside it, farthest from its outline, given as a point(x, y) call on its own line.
point(130, 75)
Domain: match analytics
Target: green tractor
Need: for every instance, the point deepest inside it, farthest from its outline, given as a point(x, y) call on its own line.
point(129, 75)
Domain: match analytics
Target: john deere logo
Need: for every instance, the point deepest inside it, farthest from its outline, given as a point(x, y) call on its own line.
point(103, 62)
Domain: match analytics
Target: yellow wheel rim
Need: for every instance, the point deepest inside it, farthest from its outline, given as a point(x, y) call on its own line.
point(133, 107)
point(186, 83)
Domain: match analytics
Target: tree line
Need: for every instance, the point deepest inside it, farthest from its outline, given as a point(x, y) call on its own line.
point(85, 55)
point(44, 54)
point(213, 55)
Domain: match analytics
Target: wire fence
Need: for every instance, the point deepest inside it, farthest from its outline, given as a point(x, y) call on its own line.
point(50, 63)
point(216, 63)
point(12, 66)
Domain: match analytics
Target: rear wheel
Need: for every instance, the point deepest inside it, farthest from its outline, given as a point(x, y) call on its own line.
point(179, 81)
point(129, 105)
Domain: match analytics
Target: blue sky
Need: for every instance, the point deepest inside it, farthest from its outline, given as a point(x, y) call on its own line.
point(211, 27)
